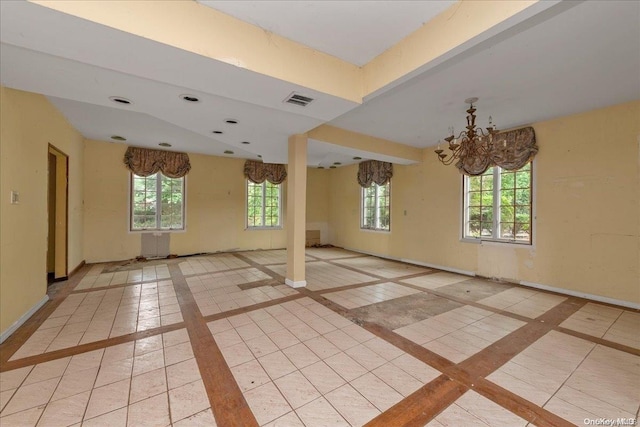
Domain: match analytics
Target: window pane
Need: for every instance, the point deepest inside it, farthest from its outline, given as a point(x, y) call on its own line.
point(473, 229)
point(514, 207)
point(506, 230)
point(376, 209)
point(506, 214)
point(171, 213)
point(263, 204)
point(523, 197)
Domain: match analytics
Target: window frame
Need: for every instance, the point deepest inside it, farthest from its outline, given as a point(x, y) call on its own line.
point(496, 211)
point(157, 229)
point(280, 225)
point(376, 208)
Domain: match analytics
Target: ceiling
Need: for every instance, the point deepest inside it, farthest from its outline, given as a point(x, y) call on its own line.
point(572, 57)
point(349, 30)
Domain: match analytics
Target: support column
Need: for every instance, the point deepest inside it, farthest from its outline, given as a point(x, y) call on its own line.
point(296, 211)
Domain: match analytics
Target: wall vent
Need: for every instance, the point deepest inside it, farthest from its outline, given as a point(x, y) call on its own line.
point(297, 99)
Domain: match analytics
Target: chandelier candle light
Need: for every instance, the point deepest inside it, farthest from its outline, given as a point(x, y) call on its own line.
point(473, 142)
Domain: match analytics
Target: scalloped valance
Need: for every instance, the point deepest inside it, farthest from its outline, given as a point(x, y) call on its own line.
point(146, 162)
point(374, 171)
point(258, 172)
point(511, 150)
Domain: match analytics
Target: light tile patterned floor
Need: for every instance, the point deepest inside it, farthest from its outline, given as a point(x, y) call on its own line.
point(276, 256)
point(474, 410)
point(300, 359)
point(322, 275)
point(98, 315)
point(610, 323)
point(331, 253)
point(436, 280)
point(381, 267)
point(145, 274)
point(299, 363)
point(460, 333)
point(358, 297)
point(574, 378)
point(525, 302)
point(219, 292)
point(210, 264)
point(154, 381)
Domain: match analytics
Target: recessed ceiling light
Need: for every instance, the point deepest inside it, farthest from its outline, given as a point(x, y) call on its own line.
point(164, 144)
point(231, 121)
point(189, 98)
point(357, 158)
point(228, 152)
point(246, 142)
point(320, 167)
point(332, 167)
point(118, 138)
point(337, 163)
point(120, 100)
point(218, 132)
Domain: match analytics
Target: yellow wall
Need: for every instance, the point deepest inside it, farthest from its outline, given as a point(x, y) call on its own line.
point(215, 209)
point(28, 124)
point(587, 189)
point(318, 202)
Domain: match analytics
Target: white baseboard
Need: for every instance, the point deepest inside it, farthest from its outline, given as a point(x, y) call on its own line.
point(6, 334)
point(564, 291)
point(584, 295)
point(420, 263)
point(298, 284)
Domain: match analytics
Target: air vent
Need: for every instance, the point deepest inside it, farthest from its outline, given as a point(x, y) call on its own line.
point(297, 99)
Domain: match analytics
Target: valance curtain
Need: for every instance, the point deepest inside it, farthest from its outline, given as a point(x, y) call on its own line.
point(258, 172)
point(374, 171)
point(146, 162)
point(511, 150)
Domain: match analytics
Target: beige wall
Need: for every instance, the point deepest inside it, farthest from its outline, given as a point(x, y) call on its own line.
point(29, 123)
point(587, 190)
point(215, 209)
point(318, 202)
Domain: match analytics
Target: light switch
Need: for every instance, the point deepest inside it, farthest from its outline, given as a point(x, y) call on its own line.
point(15, 197)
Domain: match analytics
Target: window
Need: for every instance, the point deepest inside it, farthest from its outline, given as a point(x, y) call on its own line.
point(157, 203)
point(376, 207)
point(498, 205)
point(264, 207)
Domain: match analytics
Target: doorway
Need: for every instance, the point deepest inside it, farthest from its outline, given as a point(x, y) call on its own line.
point(57, 207)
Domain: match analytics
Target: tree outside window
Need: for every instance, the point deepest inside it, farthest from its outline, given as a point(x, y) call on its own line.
point(264, 208)
point(376, 207)
point(498, 205)
point(157, 203)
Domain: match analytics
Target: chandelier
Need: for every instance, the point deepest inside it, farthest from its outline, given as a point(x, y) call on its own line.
point(473, 144)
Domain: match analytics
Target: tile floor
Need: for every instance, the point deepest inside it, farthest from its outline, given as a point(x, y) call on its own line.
point(152, 344)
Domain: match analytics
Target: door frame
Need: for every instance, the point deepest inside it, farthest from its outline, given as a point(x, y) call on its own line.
point(61, 253)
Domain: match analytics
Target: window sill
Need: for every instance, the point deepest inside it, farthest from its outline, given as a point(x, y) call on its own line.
point(375, 230)
point(264, 228)
point(496, 242)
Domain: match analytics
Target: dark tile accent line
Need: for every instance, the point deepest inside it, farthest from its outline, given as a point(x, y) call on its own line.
point(422, 405)
point(83, 348)
point(519, 406)
point(601, 341)
point(228, 405)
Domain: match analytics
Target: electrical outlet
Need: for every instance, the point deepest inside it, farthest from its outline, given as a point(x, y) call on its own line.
point(15, 197)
